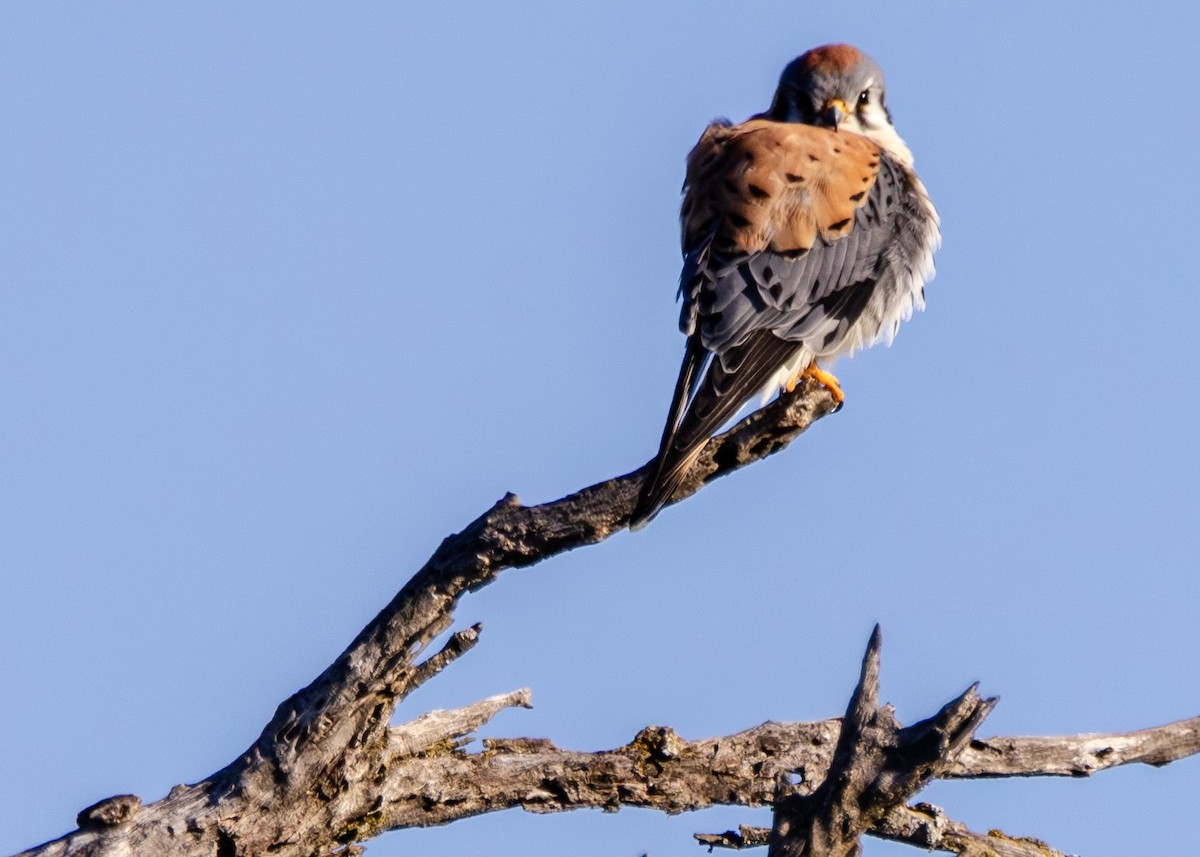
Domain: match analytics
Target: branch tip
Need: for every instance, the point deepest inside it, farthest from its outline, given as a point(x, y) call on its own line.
point(865, 698)
point(110, 812)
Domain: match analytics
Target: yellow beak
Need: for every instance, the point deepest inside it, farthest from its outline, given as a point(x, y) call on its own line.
point(834, 113)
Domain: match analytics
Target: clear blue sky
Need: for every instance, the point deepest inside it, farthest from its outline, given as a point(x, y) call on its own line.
point(288, 292)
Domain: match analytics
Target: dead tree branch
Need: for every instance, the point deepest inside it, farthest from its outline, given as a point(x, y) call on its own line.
point(329, 770)
point(307, 784)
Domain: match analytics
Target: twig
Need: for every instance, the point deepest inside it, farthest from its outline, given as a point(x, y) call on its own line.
point(438, 727)
point(457, 646)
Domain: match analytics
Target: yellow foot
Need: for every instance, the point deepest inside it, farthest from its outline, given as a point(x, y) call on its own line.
point(825, 379)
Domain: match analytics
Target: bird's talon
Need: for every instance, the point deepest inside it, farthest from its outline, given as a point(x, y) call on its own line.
point(826, 380)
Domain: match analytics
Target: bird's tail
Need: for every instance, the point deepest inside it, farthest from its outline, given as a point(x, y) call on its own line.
point(702, 405)
point(671, 464)
point(669, 474)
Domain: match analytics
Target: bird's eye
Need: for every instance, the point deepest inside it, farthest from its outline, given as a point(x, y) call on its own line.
point(864, 98)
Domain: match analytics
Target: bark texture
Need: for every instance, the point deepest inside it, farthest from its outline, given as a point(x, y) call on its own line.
point(329, 771)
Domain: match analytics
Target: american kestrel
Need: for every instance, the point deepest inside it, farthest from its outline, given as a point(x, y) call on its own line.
point(806, 236)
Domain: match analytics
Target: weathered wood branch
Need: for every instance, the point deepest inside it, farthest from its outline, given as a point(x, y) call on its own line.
point(1083, 755)
point(330, 771)
point(306, 783)
point(927, 826)
point(661, 770)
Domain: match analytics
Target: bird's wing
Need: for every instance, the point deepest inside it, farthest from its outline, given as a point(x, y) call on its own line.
point(816, 238)
point(798, 242)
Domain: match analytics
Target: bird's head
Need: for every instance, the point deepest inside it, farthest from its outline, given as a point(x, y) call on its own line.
point(841, 88)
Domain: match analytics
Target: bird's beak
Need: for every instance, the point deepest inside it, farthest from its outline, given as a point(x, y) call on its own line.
point(833, 113)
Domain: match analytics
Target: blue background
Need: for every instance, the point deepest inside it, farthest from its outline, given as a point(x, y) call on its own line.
point(290, 292)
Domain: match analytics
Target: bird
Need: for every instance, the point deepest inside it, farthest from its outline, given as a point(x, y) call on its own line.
point(806, 236)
